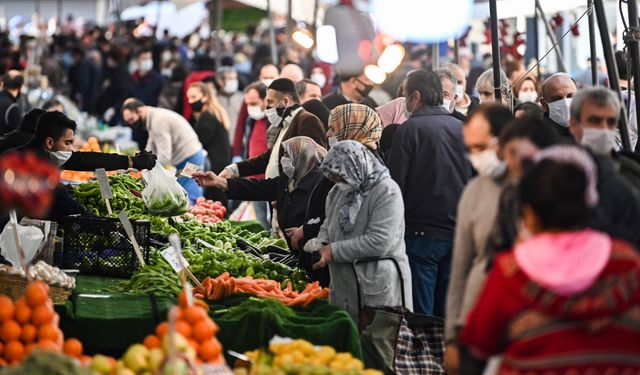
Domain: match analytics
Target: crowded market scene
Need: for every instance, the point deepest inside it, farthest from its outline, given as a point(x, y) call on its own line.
point(309, 187)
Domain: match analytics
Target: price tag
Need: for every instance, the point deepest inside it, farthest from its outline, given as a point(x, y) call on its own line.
point(189, 170)
point(105, 188)
point(174, 240)
point(175, 259)
point(124, 219)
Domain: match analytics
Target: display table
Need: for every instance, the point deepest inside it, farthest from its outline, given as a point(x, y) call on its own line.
point(108, 323)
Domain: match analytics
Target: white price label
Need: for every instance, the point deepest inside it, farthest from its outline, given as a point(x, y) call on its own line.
point(171, 255)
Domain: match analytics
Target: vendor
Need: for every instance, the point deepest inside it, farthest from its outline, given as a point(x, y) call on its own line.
point(55, 135)
point(24, 134)
point(299, 177)
point(171, 137)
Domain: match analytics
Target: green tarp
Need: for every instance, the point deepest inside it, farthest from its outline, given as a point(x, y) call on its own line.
point(109, 323)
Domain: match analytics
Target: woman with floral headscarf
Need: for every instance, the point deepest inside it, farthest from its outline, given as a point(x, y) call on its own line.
point(291, 190)
point(365, 219)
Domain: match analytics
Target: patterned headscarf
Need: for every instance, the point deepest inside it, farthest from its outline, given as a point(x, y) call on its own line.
point(356, 122)
point(360, 169)
point(305, 155)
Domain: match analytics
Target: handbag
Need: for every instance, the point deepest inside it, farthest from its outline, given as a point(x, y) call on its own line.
point(395, 340)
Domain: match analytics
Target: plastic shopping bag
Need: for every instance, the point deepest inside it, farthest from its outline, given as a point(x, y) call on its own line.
point(31, 240)
point(163, 195)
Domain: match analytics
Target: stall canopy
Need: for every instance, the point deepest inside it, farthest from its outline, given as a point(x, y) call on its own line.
point(180, 17)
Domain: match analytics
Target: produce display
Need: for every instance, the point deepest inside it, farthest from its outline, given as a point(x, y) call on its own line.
point(159, 278)
point(168, 204)
point(43, 271)
point(49, 363)
point(225, 285)
point(207, 211)
point(302, 357)
point(31, 323)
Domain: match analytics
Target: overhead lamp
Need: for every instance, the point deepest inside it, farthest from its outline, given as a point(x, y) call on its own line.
point(303, 37)
point(326, 44)
point(375, 74)
point(391, 58)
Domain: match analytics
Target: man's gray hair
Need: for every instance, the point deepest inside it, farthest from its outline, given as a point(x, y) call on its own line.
point(221, 71)
point(600, 96)
point(486, 79)
point(445, 73)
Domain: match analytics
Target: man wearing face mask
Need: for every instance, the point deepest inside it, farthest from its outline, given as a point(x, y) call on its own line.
point(146, 83)
point(283, 110)
point(10, 115)
point(428, 162)
point(250, 140)
point(557, 93)
point(449, 92)
point(229, 95)
point(352, 89)
point(465, 103)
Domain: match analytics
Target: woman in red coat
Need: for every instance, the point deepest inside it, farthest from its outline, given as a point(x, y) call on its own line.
point(566, 300)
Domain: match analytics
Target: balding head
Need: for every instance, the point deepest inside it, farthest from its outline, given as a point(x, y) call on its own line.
point(292, 72)
point(557, 87)
point(268, 72)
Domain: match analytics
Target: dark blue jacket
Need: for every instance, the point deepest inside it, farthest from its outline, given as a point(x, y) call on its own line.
point(147, 88)
point(428, 162)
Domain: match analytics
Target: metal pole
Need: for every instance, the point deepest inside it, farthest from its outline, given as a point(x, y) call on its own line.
point(218, 33)
point(592, 45)
point(456, 51)
point(435, 56)
point(634, 52)
point(59, 11)
point(314, 25)
point(612, 69)
point(552, 36)
point(289, 21)
point(272, 35)
point(536, 49)
point(495, 49)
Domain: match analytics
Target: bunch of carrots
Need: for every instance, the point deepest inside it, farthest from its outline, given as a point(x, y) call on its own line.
point(225, 285)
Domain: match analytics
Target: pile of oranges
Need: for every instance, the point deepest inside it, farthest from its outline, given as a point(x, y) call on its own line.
point(197, 327)
point(31, 323)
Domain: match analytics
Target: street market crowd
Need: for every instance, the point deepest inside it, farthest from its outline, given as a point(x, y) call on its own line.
point(515, 220)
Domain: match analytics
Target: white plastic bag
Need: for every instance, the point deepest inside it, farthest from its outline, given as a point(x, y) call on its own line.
point(163, 195)
point(31, 239)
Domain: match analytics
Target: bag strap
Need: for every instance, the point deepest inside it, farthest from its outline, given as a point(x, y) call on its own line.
point(378, 259)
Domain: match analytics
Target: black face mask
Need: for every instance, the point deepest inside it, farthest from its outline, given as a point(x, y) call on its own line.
point(366, 91)
point(13, 83)
point(138, 123)
point(197, 106)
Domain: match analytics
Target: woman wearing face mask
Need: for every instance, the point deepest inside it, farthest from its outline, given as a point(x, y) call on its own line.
point(210, 122)
point(291, 190)
point(320, 74)
point(527, 90)
point(365, 219)
point(565, 300)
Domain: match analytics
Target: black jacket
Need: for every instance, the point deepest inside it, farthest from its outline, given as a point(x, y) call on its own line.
point(563, 131)
point(10, 115)
point(215, 140)
point(14, 139)
point(428, 162)
point(314, 217)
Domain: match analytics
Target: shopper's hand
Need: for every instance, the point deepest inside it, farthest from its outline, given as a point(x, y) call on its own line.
point(296, 235)
point(452, 359)
point(325, 257)
point(205, 179)
point(144, 160)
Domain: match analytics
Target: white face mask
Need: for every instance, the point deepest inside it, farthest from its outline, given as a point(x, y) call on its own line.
point(319, 78)
point(167, 72)
point(485, 162)
point(460, 92)
point(343, 186)
point(255, 112)
point(559, 111)
point(600, 141)
point(272, 116)
point(59, 157)
point(528, 97)
point(446, 104)
point(332, 141)
point(231, 86)
point(287, 166)
point(145, 65)
point(267, 82)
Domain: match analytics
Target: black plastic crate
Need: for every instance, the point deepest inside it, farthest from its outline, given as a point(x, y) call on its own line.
point(100, 246)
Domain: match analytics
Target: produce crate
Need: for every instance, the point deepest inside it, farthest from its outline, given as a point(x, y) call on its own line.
point(14, 286)
point(100, 246)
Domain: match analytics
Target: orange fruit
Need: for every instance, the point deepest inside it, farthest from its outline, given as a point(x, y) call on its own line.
point(48, 346)
point(6, 308)
point(73, 348)
point(41, 315)
point(10, 331)
point(209, 350)
point(22, 313)
point(152, 341)
point(29, 333)
point(162, 329)
point(29, 348)
point(48, 332)
point(203, 330)
point(194, 344)
point(184, 328)
point(85, 360)
point(36, 293)
point(193, 314)
point(14, 351)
